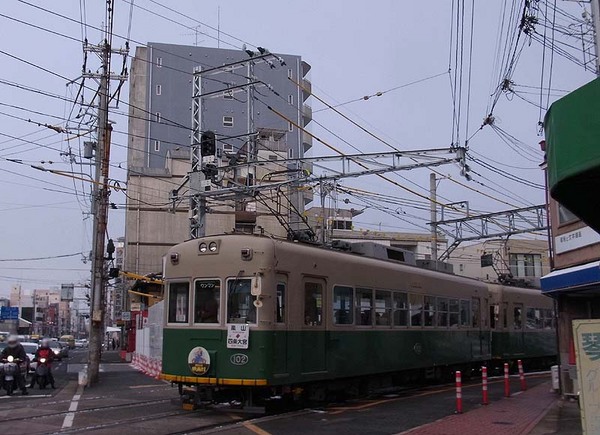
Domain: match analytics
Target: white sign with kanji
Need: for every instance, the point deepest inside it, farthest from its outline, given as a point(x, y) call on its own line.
point(238, 336)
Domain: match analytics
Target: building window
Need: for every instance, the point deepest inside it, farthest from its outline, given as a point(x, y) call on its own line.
point(159, 62)
point(227, 147)
point(158, 117)
point(290, 73)
point(291, 153)
point(290, 126)
point(158, 89)
point(525, 265)
point(228, 121)
point(291, 99)
point(156, 145)
point(565, 215)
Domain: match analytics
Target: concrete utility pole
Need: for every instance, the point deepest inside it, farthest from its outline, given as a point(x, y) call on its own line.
point(433, 217)
point(101, 190)
point(100, 210)
point(595, 4)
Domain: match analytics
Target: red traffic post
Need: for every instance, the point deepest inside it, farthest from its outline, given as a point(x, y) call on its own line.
point(522, 375)
point(506, 381)
point(459, 409)
point(484, 385)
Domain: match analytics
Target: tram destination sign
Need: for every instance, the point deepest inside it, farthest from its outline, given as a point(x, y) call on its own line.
point(238, 336)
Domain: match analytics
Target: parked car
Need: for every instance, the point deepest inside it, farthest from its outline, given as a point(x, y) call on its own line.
point(81, 343)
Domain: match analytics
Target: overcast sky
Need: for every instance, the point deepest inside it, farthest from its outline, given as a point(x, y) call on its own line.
point(356, 48)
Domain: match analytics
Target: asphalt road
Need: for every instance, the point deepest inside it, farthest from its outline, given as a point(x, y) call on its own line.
point(126, 401)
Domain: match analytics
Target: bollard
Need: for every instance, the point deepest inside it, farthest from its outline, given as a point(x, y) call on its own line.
point(458, 393)
point(484, 385)
point(522, 375)
point(506, 381)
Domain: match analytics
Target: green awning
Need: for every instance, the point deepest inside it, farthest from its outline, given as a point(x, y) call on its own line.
point(572, 127)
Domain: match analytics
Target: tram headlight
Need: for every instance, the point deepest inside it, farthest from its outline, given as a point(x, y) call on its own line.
point(203, 247)
point(212, 246)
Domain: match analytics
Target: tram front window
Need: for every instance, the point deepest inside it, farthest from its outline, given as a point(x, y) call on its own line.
point(179, 295)
point(208, 294)
point(240, 306)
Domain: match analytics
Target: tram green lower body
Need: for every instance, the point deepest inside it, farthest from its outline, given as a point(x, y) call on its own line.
point(292, 357)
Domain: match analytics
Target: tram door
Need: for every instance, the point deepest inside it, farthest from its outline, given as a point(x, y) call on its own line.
point(314, 343)
point(517, 339)
point(486, 334)
point(477, 342)
point(280, 338)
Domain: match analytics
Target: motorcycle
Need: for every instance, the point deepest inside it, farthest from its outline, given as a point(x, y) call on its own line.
point(9, 378)
point(41, 373)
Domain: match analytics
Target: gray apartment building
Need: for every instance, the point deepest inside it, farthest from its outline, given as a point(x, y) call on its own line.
point(160, 134)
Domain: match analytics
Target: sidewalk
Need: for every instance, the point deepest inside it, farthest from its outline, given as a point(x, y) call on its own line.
point(536, 411)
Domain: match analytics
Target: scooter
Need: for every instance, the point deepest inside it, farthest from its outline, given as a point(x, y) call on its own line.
point(10, 367)
point(41, 373)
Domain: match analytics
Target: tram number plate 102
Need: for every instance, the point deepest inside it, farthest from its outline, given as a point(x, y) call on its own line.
point(238, 336)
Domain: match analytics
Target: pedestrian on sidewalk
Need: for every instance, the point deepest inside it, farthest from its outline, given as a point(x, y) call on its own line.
point(114, 344)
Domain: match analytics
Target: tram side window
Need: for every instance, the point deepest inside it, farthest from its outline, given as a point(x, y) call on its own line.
point(313, 304)
point(453, 313)
point(208, 295)
point(548, 318)
point(517, 316)
point(505, 314)
point(400, 309)
point(494, 316)
point(428, 310)
point(476, 312)
point(383, 308)
point(416, 309)
point(534, 318)
point(364, 306)
point(280, 303)
point(343, 305)
point(465, 313)
point(240, 306)
point(442, 312)
point(179, 298)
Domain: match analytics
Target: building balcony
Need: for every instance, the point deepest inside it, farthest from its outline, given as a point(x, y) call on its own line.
point(306, 89)
point(305, 68)
point(306, 114)
point(307, 141)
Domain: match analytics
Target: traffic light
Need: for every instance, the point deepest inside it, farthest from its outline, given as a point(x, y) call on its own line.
point(208, 144)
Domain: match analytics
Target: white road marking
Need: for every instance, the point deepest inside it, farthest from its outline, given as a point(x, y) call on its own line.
point(68, 421)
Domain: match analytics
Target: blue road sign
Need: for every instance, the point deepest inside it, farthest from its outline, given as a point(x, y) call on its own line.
point(9, 313)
